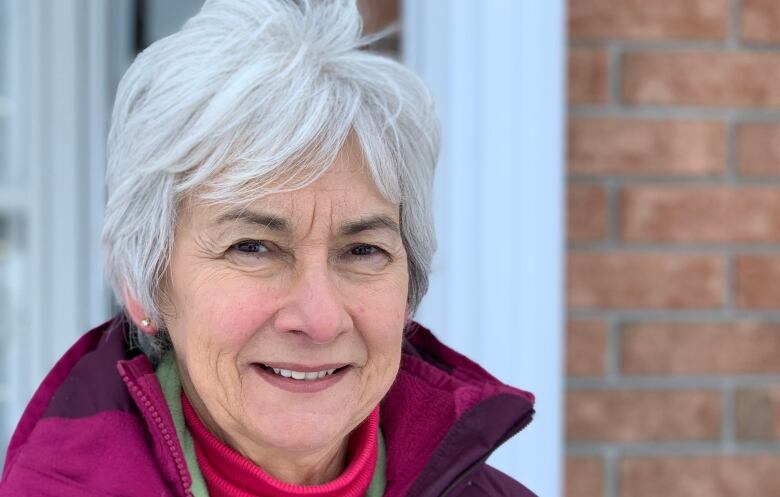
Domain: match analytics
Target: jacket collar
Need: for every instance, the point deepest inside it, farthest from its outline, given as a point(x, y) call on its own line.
point(444, 416)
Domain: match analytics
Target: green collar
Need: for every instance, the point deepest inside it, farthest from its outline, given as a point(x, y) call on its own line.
point(168, 376)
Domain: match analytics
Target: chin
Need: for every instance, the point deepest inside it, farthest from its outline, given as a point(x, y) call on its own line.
point(297, 425)
point(301, 433)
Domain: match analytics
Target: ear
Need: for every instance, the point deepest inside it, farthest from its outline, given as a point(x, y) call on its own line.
point(137, 313)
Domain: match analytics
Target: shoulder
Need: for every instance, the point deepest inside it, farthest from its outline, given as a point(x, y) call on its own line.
point(102, 454)
point(490, 482)
point(84, 410)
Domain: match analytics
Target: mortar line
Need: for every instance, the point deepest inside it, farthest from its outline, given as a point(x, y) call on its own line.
point(613, 213)
point(759, 46)
point(677, 46)
point(734, 28)
point(611, 473)
point(614, 75)
point(649, 45)
point(664, 248)
point(672, 383)
point(682, 316)
point(676, 248)
point(644, 111)
point(756, 47)
point(728, 437)
point(677, 448)
point(767, 182)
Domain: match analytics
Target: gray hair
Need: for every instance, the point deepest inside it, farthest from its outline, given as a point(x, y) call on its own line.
point(254, 97)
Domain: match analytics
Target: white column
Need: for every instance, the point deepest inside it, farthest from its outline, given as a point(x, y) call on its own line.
point(496, 68)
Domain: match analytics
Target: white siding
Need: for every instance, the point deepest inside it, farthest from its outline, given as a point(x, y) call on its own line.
point(496, 70)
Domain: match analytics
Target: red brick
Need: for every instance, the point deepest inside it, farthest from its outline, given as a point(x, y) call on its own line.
point(644, 280)
point(760, 21)
point(639, 416)
point(378, 14)
point(641, 19)
point(702, 78)
point(700, 476)
point(700, 214)
point(584, 476)
point(757, 284)
point(757, 413)
point(632, 146)
point(759, 148)
point(588, 76)
point(586, 348)
point(700, 348)
point(586, 210)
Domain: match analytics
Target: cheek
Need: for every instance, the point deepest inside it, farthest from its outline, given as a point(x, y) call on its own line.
point(380, 317)
point(387, 306)
point(229, 311)
point(384, 359)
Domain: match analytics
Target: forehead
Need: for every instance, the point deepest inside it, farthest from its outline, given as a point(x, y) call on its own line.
point(346, 191)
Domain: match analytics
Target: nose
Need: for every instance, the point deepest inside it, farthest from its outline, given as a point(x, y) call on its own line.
point(314, 306)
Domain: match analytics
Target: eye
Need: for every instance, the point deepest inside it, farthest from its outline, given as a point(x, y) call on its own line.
point(250, 247)
point(366, 254)
point(365, 250)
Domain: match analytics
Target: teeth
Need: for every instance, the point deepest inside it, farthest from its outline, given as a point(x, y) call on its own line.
point(300, 375)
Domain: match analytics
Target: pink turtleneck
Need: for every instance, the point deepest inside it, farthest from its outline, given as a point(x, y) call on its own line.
point(229, 474)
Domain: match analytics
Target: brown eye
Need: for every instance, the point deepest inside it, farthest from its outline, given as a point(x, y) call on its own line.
point(250, 247)
point(365, 250)
point(363, 253)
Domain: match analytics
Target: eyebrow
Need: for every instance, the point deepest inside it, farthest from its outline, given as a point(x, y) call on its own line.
point(372, 223)
point(267, 221)
point(276, 223)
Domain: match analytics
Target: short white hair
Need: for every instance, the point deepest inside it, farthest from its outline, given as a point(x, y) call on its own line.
point(253, 97)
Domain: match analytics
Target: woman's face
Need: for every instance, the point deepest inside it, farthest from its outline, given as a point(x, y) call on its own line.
point(300, 282)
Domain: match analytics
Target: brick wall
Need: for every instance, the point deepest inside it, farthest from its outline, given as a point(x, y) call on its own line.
point(673, 290)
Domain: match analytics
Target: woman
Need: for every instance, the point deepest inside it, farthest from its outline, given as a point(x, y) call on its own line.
point(268, 233)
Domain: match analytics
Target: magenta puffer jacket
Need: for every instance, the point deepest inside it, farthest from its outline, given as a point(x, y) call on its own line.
point(99, 426)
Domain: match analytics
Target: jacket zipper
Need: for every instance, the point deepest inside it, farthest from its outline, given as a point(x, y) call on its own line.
point(143, 402)
point(517, 428)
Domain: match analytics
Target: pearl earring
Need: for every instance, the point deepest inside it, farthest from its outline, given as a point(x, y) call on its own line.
point(145, 322)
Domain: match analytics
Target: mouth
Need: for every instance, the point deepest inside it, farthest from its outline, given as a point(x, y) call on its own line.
point(311, 374)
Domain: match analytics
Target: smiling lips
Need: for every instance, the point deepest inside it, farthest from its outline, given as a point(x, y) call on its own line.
point(302, 373)
point(300, 379)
